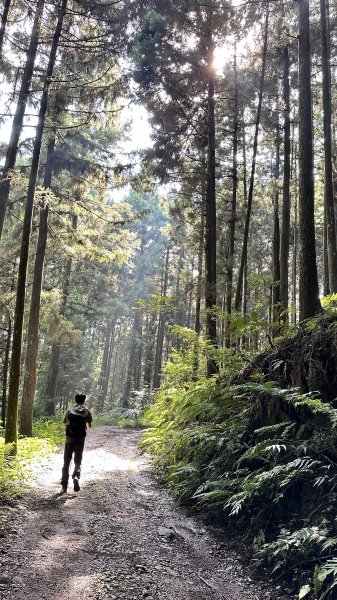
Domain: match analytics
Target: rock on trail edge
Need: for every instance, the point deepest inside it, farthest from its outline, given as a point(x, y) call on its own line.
point(120, 537)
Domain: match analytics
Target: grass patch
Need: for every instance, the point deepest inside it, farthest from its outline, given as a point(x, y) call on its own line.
point(16, 472)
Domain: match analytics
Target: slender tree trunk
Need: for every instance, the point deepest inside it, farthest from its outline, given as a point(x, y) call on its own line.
point(148, 361)
point(5, 371)
point(108, 366)
point(19, 113)
point(26, 413)
point(139, 361)
point(230, 262)
point(189, 300)
point(197, 322)
point(133, 355)
point(114, 357)
point(285, 228)
point(294, 265)
point(244, 154)
point(105, 367)
point(252, 176)
point(309, 303)
point(178, 314)
point(14, 377)
point(276, 241)
point(326, 286)
point(244, 341)
point(210, 222)
point(56, 346)
point(161, 327)
point(4, 17)
point(328, 179)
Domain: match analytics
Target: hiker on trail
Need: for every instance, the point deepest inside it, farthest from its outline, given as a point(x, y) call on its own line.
point(76, 421)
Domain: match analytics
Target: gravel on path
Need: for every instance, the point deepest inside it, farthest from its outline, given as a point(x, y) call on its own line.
point(121, 537)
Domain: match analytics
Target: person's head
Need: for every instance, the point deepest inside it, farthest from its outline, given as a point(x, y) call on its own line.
point(80, 398)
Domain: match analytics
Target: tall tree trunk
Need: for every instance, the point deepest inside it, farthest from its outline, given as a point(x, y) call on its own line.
point(56, 346)
point(294, 265)
point(114, 357)
point(14, 377)
point(326, 285)
point(244, 341)
point(139, 361)
point(252, 176)
point(4, 17)
point(309, 303)
point(231, 245)
point(328, 180)
point(5, 371)
point(132, 362)
point(285, 228)
point(197, 322)
point(210, 222)
point(29, 387)
point(161, 327)
point(19, 114)
point(148, 360)
point(276, 241)
point(105, 367)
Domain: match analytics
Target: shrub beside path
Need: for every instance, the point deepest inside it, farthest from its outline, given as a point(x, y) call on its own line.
point(121, 537)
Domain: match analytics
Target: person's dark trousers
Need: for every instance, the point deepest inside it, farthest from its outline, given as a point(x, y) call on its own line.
point(72, 447)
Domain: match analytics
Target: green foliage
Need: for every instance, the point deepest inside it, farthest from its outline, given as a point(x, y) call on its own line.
point(120, 418)
point(291, 547)
point(51, 430)
point(105, 419)
point(252, 453)
point(16, 472)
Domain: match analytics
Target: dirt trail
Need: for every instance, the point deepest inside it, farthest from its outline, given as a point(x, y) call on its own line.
point(120, 537)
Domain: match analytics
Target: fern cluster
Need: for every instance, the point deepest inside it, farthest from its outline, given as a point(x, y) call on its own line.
point(263, 457)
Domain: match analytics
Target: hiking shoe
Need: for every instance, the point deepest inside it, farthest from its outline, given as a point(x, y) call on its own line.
point(64, 489)
point(76, 485)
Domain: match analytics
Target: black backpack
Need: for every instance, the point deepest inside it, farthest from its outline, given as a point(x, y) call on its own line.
point(77, 425)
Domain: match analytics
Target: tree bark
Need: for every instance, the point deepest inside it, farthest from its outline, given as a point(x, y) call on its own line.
point(276, 241)
point(14, 377)
point(210, 221)
point(19, 114)
point(197, 322)
point(139, 359)
point(326, 285)
point(133, 355)
point(328, 178)
point(105, 367)
point(148, 361)
point(294, 265)
point(114, 355)
point(160, 334)
point(252, 176)
point(56, 346)
point(309, 303)
point(231, 245)
point(4, 17)
point(29, 387)
point(285, 227)
point(5, 372)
